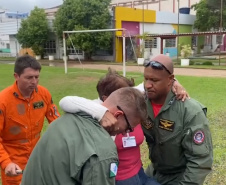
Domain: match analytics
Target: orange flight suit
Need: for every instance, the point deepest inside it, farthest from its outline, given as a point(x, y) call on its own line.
point(21, 122)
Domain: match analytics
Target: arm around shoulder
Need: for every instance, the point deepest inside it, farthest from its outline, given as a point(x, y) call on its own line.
point(73, 104)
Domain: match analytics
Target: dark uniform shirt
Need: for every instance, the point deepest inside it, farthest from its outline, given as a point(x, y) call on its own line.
point(180, 144)
point(74, 150)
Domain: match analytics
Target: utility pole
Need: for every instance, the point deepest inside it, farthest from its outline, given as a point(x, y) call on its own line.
point(178, 29)
point(16, 42)
point(221, 29)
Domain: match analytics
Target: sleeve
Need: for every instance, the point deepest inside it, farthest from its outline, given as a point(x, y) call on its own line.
point(52, 112)
point(99, 172)
point(4, 156)
point(73, 104)
point(197, 144)
point(140, 87)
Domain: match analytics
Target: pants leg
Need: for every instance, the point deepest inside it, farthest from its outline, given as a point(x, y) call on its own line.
point(145, 179)
point(135, 180)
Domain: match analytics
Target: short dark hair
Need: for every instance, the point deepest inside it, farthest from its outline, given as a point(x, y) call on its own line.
point(111, 82)
point(24, 62)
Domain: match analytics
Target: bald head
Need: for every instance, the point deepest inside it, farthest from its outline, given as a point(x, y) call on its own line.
point(164, 60)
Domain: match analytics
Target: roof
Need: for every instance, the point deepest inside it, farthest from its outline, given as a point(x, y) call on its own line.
point(188, 34)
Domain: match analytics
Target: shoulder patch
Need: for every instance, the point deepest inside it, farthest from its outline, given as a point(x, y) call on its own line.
point(113, 169)
point(199, 137)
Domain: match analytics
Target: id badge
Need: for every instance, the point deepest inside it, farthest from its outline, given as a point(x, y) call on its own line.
point(129, 141)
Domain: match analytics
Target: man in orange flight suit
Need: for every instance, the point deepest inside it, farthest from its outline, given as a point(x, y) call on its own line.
point(23, 107)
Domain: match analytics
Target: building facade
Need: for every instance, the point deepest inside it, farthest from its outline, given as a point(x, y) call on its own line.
point(9, 26)
point(140, 21)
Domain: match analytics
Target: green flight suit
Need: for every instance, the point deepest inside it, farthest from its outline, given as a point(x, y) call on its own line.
point(179, 142)
point(74, 150)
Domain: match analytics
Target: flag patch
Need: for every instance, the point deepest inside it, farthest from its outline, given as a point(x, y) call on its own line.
point(113, 169)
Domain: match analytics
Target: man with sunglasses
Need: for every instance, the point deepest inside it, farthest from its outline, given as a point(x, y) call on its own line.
point(177, 134)
point(81, 151)
point(130, 170)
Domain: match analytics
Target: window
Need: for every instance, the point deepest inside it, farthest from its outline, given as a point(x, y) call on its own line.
point(170, 42)
point(152, 43)
point(71, 51)
point(50, 46)
point(194, 41)
point(219, 39)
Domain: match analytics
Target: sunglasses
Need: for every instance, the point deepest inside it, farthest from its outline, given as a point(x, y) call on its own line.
point(129, 127)
point(155, 65)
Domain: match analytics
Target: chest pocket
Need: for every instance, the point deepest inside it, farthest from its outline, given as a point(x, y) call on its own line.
point(167, 150)
point(15, 129)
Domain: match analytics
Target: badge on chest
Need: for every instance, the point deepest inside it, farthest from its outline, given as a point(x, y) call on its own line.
point(166, 125)
point(38, 105)
point(128, 141)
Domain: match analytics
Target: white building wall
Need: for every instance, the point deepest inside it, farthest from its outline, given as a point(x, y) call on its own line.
point(14, 46)
point(163, 5)
point(4, 40)
point(172, 18)
point(156, 28)
point(10, 28)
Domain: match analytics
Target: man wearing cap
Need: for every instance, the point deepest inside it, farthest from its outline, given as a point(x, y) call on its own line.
point(178, 136)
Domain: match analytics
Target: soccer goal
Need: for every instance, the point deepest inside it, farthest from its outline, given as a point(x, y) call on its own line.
point(86, 31)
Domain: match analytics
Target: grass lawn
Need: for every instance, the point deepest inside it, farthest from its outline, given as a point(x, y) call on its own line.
point(209, 91)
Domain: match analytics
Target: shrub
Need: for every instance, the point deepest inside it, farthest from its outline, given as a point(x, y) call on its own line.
point(208, 63)
point(185, 51)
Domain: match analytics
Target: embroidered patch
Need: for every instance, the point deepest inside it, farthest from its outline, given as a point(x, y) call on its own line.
point(20, 109)
point(166, 125)
point(38, 105)
point(113, 169)
point(199, 137)
point(15, 130)
point(147, 124)
point(55, 111)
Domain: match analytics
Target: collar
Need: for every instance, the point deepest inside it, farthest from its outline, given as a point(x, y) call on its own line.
point(171, 97)
point(17, 93)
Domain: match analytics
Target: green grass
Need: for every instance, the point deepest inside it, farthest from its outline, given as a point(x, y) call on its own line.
point(209, 91)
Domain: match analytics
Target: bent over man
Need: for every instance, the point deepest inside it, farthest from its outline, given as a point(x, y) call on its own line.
point(81, 151)
point(23, 107)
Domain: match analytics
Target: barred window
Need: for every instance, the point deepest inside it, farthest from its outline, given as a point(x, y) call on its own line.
point(72, 51)
point(170, 42)
point(50, 46)
point(194, 41)
point(152, 43)
point(219, 39)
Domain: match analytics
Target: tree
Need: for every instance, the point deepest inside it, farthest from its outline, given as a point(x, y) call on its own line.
point(34, 31)
point(85, 15)
point(208, 15)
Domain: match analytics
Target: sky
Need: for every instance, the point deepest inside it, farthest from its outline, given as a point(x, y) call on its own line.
point(27, 5)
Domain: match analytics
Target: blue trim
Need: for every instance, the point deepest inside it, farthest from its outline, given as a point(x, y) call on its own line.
point(172, 51)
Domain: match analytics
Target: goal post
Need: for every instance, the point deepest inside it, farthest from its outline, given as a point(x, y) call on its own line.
point(88, 31)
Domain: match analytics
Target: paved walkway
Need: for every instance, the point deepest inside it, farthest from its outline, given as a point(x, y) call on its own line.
point(177, 71)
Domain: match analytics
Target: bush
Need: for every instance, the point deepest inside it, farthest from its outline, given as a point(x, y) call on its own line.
point(191, 62)
point(208, 63)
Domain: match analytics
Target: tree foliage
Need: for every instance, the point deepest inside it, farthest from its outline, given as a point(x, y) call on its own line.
point(85, 15)
point(34, 31)
point(208, 15)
